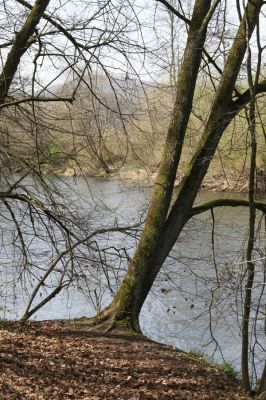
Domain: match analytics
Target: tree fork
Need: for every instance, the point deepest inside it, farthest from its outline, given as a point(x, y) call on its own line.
point(222, 113)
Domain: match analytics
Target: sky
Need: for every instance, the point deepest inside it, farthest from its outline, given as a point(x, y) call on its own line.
point(148, 50)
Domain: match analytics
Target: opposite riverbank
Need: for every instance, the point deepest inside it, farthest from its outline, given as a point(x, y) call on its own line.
point(232, 181)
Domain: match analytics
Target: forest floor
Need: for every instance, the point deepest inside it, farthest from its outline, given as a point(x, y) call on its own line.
point(58, 360)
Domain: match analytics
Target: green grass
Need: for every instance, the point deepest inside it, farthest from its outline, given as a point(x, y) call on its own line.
point(199, 355)
point(228, 369)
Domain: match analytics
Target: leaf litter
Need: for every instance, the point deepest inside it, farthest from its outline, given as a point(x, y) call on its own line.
point(54, 360)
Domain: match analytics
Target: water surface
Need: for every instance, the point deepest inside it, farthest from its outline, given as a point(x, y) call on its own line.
point(195, 303)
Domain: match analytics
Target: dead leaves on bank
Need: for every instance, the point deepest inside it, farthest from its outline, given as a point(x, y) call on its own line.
point(50, 361)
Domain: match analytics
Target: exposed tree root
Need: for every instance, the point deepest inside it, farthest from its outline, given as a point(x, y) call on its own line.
point(109, 319)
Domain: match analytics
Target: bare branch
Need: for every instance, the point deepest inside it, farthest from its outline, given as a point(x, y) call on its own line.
point(6, 44)
point(245, 97)
point(19, 47)
point(174, 11)
point(39, 99)
point(210, 205)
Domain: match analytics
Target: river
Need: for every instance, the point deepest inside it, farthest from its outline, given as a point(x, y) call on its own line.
point(195, 303)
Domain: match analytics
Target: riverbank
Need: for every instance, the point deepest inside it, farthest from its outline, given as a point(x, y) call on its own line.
point(57, 360)
point(232, 181)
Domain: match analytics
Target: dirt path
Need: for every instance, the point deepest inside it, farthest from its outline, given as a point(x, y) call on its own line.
point(52, 360)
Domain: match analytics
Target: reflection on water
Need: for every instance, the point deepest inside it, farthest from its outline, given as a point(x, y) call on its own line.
point(195, 301)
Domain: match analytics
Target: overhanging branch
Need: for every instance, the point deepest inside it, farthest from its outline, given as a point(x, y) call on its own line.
point(210, 205)
point(36, 204)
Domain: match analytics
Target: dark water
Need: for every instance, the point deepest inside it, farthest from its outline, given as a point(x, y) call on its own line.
point(195, 303)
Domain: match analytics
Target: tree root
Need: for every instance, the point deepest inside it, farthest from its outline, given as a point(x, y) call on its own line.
point(110, 319)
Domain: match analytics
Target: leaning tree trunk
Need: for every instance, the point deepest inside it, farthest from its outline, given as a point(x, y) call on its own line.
point(163, 227)
point(140, 276)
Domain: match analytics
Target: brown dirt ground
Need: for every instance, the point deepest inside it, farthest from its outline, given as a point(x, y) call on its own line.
point(56, 360)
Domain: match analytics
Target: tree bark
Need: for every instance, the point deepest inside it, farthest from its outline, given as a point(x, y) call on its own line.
point(262, 385)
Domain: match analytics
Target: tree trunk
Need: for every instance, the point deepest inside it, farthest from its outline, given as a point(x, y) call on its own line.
point(141, 273)
point(250, 269)
point(262, 385)
point(163, 227)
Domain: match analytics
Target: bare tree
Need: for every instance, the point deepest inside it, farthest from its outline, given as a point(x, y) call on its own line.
point(49, 62)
